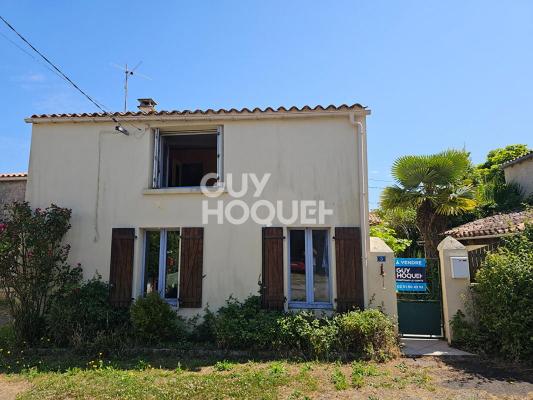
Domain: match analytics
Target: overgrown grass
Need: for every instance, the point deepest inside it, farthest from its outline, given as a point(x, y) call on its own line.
point(168, 378)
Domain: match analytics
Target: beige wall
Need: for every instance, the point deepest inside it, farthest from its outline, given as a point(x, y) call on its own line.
point(382, 288)
point(521, 173)
point(454, 290)
point(103, 177)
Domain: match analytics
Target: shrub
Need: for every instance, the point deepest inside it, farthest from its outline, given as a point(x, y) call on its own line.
point(244, 325)
point(33, 267)
point(306, 334)
point(202, 328)
point(368, 334)
point(154, 320)
point(84, 316)
point(502, 301)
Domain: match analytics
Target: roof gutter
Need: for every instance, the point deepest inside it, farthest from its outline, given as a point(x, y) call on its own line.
point(200, 117)
point(362, 172)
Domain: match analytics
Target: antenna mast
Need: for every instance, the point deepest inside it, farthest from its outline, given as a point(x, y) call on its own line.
point(127, 74)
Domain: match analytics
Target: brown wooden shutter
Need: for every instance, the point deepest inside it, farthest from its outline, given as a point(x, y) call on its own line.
point(272, 296)
point(121, 268)
point(349, 263)
point(191, 267)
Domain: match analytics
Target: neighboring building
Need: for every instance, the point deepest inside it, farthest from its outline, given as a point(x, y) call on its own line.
point(483, 235)
point(137, 206)
point(520, 171)
point(12, 188)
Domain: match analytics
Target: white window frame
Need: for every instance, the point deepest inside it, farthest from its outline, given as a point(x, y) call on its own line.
point(161, 280)
point(310, 303)
point(158, 166)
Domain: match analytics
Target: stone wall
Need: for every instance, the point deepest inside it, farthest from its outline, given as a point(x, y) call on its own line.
point(10, 191)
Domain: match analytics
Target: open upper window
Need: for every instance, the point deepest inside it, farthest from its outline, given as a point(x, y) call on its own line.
point(182, 159)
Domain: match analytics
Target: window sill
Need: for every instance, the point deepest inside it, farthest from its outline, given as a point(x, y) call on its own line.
point(176, 190)
point(310, 306)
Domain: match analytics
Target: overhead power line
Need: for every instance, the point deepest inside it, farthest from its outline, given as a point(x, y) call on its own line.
point(65, 77)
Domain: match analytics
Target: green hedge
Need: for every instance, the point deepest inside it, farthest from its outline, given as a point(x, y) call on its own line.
point(502, 303)
point(368, 334)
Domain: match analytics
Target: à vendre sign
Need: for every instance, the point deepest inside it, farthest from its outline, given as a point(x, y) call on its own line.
point(410, 274)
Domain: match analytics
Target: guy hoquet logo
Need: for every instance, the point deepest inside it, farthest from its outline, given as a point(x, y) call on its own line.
point(263, 212)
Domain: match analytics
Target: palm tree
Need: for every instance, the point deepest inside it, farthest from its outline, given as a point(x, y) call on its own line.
point(435, 186)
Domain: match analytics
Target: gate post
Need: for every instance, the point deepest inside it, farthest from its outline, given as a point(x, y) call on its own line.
point(381, 278)
point(455, 280)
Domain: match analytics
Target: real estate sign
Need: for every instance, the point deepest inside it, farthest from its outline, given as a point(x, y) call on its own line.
point(410, 274)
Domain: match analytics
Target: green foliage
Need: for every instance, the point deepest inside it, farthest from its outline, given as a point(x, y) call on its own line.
point(389, 236)
point(360, 370)
point(502, 302)
point(84, 317)
point(202, 328)
point(490, 169)
point(33, 265)
point(369, 334)
point(244, 325)
point(223, 365)
point(154, 320)
point(304, 333)
point(339, 379)
point(492, 192)
point(435, 187)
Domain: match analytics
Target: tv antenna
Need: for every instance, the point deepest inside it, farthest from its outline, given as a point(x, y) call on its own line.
point(127, 73)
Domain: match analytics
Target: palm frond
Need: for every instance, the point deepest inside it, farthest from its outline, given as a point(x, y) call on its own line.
point(396, 197)
point(454, 201)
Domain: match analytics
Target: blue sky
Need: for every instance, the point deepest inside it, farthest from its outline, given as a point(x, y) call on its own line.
point(436, 75)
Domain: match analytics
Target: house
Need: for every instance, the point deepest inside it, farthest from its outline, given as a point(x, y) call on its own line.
point(200, 205)
point(12, 188)
point(484, 234)
point(520, 171)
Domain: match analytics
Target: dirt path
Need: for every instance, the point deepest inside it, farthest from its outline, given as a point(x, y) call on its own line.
point(11, 387)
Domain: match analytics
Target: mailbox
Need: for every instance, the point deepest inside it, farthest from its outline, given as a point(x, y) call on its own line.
point(460, 268)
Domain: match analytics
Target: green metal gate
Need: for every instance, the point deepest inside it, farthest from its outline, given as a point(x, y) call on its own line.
point(420, 314)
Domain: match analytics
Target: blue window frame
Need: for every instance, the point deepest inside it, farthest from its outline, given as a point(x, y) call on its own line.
point(161, 263)
point(309, 271)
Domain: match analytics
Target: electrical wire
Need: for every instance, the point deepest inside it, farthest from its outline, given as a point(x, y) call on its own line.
point(32, 56)
point(100, 106)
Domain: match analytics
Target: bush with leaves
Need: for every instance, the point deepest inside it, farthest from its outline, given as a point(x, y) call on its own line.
point(245, 325)
point(501, 320)
point(154, 321)
point(305, 334)
point(368, 334)
point(390, 237)
point(84, 316)
point(33, 265)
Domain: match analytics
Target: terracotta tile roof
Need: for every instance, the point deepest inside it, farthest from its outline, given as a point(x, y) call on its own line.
point(495, 225)
point(373, 218)
point(14, 175)
point(518, 159)
point(208, 112)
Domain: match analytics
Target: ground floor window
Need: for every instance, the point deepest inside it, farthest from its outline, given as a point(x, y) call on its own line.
point(309, 268)
point(161, 263)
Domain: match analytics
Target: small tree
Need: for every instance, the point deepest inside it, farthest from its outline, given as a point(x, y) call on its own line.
point(434, 185)
point(33, 267)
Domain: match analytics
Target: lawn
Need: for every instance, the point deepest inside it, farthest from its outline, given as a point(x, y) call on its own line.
point(146, 378)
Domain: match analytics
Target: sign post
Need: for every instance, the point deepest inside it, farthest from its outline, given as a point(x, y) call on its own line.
point(410, 274)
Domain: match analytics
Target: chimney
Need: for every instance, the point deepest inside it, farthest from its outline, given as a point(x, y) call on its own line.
point(146, 105)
